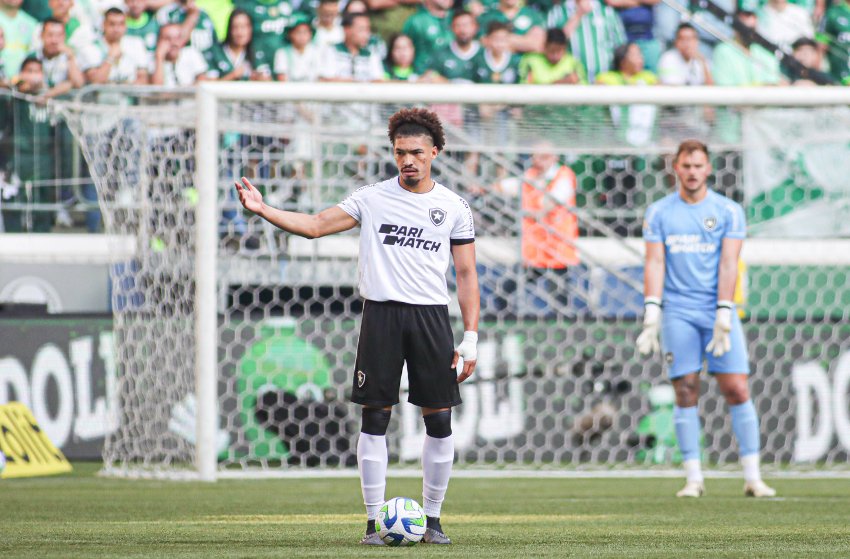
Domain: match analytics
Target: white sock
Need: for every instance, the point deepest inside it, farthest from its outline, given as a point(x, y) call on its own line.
point(372, 462)
point(751, 467)
point(437, 458)
point(693, 470)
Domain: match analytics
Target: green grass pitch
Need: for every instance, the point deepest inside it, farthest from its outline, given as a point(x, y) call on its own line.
point(80, 515)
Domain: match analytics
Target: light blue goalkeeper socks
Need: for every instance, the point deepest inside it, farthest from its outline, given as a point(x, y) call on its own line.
point(745, 424)
point(687, 431)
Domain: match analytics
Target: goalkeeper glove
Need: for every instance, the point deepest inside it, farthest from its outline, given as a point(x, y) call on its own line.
point(647, 341)
point(720, 342)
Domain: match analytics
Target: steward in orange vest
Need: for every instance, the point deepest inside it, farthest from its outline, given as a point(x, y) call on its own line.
point(549, 228)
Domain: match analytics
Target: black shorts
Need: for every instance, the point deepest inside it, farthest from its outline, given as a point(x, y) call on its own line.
point(392, 333)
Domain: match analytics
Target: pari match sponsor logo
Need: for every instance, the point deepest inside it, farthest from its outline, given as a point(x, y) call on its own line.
point(689, 243)
point(407, 236)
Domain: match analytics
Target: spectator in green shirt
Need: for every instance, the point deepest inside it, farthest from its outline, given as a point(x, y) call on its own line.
point(196, 26)
point(299, 60)
point(554, 65)
point(328, 24)
point(400, 56)
point(59, 64)
point(430, 30)
point(527, 26)
point(32, 157)
point(807, 52)
point(732, 67)
point(635, 126)
point(376, 44)
point(454, 62)
point(270, 18)
point(115, 57)
point(835, 31)
point(19, 28)
point(497, 63)
point(235, 59)
point(141, 24)
point(78, 34)
point(593, 29)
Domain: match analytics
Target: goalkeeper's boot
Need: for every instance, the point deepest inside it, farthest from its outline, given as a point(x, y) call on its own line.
point(434, 532)
point(372, 539)
point(692, 489)
point(758, 489)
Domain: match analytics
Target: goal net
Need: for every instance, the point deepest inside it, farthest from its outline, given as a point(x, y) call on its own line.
point(236, 342)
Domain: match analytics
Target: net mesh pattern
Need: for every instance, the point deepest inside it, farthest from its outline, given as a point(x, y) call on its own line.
point(558, 380)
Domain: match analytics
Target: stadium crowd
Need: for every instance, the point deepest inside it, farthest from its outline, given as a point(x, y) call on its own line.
point(49, 48)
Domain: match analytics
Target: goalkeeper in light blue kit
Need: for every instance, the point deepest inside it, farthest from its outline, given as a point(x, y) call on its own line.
point(693, 241)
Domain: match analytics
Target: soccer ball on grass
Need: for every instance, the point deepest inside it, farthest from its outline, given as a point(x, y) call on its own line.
point(401, 521)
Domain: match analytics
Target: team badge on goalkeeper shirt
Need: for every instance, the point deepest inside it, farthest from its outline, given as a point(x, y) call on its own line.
point(710, 223)
point(437, 215)
point(361, 379)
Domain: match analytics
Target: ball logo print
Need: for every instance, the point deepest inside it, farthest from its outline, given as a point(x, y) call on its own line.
point(437, 216)
point(401, 521)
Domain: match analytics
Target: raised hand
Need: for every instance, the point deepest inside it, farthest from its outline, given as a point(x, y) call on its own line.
point(249, 196)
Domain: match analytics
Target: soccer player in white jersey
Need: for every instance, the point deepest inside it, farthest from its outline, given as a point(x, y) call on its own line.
point(693, 241)
point(410, 226)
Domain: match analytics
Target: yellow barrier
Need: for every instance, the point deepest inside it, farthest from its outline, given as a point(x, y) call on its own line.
point(27, 449)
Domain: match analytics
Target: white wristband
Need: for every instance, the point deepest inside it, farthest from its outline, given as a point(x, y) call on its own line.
point(652, 301)
point(470, 336)
point(725, 304)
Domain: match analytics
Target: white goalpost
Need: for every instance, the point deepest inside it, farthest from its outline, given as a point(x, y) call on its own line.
point(236, 342)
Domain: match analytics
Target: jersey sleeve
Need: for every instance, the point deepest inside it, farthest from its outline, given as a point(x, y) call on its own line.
point(736, 223)
point(353, 204)
point(652, 225)
point(463, 231)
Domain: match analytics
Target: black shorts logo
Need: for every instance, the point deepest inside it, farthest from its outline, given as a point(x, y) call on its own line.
point(437, 216)
point(361, 379)
point(710, 223)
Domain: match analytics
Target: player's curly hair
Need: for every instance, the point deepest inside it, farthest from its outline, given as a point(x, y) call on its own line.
point(417, 122)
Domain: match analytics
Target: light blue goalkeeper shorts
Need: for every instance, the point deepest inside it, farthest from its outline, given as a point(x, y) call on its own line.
point(684, 335)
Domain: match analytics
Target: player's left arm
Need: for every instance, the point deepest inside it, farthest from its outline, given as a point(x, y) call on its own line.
point(469, 299)
point(727, 277)
point(727, 273)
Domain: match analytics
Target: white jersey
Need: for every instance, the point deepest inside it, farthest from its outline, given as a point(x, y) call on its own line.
point(405, 240)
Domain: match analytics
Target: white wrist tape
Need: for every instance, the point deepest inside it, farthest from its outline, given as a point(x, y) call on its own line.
point(468, 347)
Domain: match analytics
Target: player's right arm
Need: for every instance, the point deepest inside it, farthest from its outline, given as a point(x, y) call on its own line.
point(326, 222)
